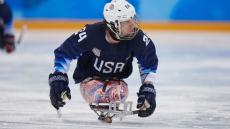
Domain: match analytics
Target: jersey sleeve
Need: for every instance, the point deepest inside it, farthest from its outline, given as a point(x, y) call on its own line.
point(145, 53)
point(69, 50)
point(7, 17)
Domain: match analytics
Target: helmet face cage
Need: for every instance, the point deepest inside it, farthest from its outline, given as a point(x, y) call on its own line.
point(116, 14)
point(135, 29)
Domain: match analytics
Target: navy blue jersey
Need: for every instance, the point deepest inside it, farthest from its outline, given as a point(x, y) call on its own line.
point(97, 57)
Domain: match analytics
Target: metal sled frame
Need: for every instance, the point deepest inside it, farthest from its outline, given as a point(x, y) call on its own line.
point(106, 111)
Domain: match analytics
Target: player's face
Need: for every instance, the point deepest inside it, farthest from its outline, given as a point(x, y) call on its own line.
point(129, 28)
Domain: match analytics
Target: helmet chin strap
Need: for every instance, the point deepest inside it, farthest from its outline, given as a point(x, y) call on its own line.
point(112, 35)
point(110, 38)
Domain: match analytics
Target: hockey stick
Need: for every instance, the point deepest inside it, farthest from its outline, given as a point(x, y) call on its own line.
point(65, 99)
point(21, 34)
point(59, 113)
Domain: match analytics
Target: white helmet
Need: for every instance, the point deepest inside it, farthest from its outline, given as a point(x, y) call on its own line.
point(118, 11)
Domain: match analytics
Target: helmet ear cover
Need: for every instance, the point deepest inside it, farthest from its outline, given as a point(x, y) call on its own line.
point(114, 26)
point(113, 30)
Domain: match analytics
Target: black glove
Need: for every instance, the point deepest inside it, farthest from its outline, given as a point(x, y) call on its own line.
point(59, 89)
point(146, 100)
point(9, 43)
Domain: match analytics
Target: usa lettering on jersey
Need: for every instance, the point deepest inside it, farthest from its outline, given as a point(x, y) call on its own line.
point(108, 66)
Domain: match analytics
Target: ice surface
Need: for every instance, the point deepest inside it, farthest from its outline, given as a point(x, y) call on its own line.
point(193, 85)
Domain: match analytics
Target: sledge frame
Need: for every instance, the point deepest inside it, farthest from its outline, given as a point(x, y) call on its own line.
point(107, 111)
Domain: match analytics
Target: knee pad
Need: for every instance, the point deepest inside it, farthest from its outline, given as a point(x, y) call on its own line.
point(96, 91)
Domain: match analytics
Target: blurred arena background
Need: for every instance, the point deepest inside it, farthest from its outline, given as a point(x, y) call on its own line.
point(192, 39)
point(153, 14)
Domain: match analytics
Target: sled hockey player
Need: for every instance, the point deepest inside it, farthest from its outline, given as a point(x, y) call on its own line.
point(105, 51)
point(7, 40)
